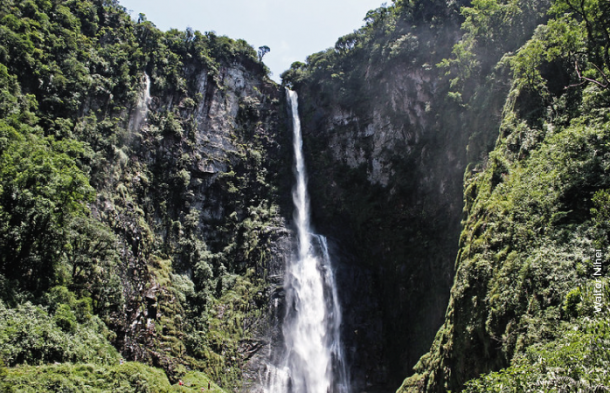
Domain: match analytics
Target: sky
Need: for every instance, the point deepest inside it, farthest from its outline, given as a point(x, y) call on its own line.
point(292, 29)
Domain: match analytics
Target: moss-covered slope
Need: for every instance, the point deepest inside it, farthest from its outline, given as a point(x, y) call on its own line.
point(527, 283)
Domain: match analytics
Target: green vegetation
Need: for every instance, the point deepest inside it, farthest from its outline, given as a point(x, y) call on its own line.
point(575, 361)
point(128, 378)
point(122, 228)
point(534, 218)
point(142, 227)
point(29, 335)
point(523, 86)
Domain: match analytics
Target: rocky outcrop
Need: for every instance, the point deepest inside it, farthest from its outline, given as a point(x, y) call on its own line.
point(387, 184)
point(199, 211)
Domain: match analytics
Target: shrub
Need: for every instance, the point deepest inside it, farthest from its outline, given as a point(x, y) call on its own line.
point(29, 335)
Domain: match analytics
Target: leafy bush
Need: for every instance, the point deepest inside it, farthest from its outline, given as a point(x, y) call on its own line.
point(29, 335)
point(576, 361)
point(5, 387)
point(129, 377)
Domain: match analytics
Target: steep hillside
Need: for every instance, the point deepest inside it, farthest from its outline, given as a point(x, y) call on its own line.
point(530, 290)
point(139, 189)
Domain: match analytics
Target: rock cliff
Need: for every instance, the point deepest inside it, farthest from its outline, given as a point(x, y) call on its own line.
point(457, 155)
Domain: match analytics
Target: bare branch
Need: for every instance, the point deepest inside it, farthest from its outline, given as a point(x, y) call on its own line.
point(603, 74)
point(585, 79)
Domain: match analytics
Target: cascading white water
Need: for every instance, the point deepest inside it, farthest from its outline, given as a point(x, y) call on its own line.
point(313, 360)
point(142, 108)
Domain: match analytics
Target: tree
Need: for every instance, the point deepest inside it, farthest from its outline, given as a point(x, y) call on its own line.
point(262, 51)
point(41, 188)
point(582, 31)
point(92, 256)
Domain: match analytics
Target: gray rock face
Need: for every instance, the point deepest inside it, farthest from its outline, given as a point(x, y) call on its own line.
point(201, 212)
point(269, 334)
point(387, 186)
point(371, 139)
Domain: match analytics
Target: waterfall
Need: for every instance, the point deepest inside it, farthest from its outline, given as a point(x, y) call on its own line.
point(313, 360)
point(142, 108)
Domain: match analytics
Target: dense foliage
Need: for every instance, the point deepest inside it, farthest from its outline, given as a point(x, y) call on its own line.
point(121, 224)
point(524, 291)
point(129, 377)
point(575, 361)
point(29, 335)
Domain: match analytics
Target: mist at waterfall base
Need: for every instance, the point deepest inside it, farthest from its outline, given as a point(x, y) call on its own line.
point(312, 360)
